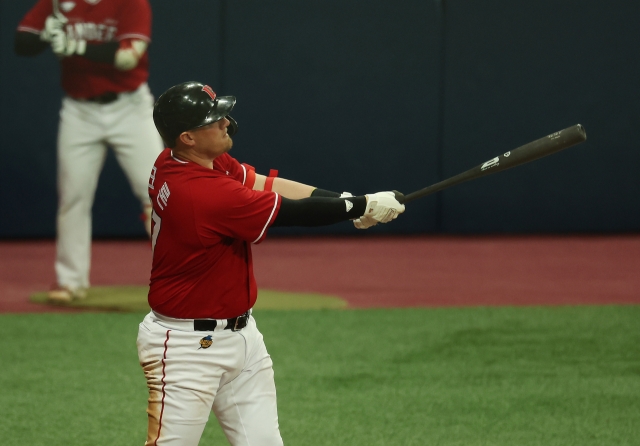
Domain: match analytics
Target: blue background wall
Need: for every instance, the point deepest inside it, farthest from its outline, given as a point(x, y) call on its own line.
point(366, 96)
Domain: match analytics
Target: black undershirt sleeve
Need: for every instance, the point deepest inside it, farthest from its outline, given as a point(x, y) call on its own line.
point(319, 211)
point(324, 193)
point(102, 52)
point(28, 44)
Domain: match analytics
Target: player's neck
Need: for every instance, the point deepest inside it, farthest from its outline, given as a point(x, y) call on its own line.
point(194, 158)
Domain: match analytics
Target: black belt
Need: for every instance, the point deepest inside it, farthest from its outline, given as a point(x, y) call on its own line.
point(105, 98)
point(233, 324)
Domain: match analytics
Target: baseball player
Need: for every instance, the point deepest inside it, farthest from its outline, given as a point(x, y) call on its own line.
point(101, 45)
point(199, 347)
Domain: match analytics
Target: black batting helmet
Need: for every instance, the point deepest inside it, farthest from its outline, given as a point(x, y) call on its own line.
point(188, 106)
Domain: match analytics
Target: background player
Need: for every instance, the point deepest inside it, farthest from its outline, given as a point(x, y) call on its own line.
point(199, 346)
point(102, 46)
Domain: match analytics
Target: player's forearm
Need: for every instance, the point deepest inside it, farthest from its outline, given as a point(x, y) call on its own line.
point(291, 189)
point(113, 54)
point(28, 44)
point(123, 55)
point(319, 211)
point(287, 188)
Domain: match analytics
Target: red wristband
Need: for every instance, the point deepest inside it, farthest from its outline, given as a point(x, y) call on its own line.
point(250, 180)
point(268, 184)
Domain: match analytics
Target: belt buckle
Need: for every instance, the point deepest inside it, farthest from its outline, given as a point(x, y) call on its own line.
point(238, 320)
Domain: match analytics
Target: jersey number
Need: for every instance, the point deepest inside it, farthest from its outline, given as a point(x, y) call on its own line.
point(157, 222)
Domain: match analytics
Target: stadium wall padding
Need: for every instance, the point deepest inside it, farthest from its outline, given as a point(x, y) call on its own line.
point(367, 96)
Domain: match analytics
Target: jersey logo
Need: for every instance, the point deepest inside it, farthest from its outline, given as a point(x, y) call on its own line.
point(92, 2)
point(98, 32)
point(152, 177)
point(206, 342)
point(67, 6)
point(163, 196)
point(207, 89)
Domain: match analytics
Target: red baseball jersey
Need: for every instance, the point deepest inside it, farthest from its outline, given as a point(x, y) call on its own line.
point(97, 21)
point(204, 222)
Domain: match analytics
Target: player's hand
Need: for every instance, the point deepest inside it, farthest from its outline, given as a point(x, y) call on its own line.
point(63, 46)
point(52, 24)
point(364, 222)
point(58, 39)
point(383, 207)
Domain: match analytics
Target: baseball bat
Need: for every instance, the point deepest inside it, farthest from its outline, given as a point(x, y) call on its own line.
point(56, 9)
point(529, 152)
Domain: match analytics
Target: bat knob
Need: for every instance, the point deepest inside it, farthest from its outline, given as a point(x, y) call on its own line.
point(399, 196)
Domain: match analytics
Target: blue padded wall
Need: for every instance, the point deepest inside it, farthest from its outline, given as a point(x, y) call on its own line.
point(517, 71)
point(341, 95)
point(369, 96)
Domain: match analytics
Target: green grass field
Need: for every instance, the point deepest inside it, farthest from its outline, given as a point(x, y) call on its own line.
point(456, 376)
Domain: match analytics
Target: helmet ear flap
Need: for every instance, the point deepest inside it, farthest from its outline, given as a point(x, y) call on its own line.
point(233, 126)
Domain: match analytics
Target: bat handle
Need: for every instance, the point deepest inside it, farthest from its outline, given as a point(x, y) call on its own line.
point(399, 196)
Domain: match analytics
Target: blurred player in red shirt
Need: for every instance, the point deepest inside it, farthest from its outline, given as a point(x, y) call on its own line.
point(101, 45)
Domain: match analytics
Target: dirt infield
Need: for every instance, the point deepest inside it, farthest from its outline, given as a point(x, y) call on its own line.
point(380, 271)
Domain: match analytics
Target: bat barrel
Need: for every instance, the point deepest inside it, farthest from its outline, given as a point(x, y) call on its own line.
point(529, 152)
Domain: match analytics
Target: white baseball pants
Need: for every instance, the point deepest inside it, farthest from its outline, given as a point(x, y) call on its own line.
point(86, 130)
point(229, 373)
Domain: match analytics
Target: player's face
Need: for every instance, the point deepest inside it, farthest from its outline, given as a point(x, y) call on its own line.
point(213, 139)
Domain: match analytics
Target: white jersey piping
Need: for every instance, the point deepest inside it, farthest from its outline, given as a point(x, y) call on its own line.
point(244, 178)
point(180, 161)
point(134, 36)
point(270, 217)
point(29, 29)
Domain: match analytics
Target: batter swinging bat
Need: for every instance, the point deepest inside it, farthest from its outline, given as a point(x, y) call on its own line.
point(532, 151)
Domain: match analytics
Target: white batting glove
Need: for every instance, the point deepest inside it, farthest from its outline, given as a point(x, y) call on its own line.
point(382, 207)
point(52, 24)
point(63, 46)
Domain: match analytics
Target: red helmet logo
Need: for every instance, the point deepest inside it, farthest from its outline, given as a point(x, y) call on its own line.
point(207, 89)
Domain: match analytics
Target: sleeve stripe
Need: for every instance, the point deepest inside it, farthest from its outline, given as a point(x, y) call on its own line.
point(134, 36)
point(244, 178)
point(275, 204)
point(29, 29)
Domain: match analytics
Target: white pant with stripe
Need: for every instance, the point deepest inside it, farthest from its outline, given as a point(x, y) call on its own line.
point(191, 373)
point(85, 132)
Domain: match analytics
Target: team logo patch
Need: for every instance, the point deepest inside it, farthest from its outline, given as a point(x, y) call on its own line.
point(206, 342)
point(348, 204)
point(207, 89)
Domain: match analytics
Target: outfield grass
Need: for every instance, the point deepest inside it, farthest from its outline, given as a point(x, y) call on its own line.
point(470, 376)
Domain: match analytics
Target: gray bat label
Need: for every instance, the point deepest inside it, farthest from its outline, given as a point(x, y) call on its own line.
point(491, 163)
